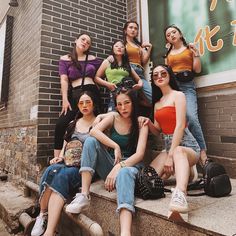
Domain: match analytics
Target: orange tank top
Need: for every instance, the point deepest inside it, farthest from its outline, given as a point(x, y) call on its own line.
point(166, 118)
point(134, 54)
point(181, 61)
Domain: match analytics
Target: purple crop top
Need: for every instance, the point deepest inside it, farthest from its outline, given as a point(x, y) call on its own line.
point(73, 73)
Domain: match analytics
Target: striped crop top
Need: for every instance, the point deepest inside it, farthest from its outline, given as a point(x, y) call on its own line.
point(181, 61)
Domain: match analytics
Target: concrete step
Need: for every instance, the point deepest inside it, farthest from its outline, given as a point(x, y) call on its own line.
point(12, 204)
point(207, 216)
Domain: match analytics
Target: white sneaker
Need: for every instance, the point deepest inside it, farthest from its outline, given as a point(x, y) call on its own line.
point(178, 202)
point(79, 204)
point(40, 225)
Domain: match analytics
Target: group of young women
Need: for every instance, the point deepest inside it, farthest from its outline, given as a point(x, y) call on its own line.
point(116, 156)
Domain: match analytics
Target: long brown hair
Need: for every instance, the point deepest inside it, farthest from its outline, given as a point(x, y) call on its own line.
point(124, 33)
point(74, 56)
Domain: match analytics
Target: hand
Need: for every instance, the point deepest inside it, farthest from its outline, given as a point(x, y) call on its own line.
point(147, 45)
point(65, 106)
point(169, 165)
point(193, 48)
point(139, 85)
point(56, 160)
point(142, 121)
point(111, 86)
point(118, 155)
point(110, 59)
point(111, 178)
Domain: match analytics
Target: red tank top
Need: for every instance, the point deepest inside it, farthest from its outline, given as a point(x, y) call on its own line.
point(166, 118)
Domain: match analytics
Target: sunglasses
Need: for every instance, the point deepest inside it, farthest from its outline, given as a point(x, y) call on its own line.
point(162, 74)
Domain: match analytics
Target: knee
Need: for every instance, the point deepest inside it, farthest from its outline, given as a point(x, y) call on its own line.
point(179, 152)
point(90, 143)
point(125, 174)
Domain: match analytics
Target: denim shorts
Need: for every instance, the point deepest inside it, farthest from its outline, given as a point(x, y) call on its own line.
point(62, 179)
point(187, 141)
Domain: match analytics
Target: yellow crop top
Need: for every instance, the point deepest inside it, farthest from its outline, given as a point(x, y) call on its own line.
point(181, 61)
point(134, 54)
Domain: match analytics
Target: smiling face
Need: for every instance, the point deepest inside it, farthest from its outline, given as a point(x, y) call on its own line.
point(160, 76)
point(85, 105)
point(118, 48)
point(124, 105)
point(173, 35)
point(83, 43)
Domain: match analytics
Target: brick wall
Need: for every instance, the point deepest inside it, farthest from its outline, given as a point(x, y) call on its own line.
point(18, 127)
point(62, 21)
point(42, 32)
point(132, 9)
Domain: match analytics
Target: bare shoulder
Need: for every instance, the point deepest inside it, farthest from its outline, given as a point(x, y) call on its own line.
point(179, 95)
point(91, 57)
point(65, 57)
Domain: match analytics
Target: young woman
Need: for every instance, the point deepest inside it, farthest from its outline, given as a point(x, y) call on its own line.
point(181, 149)
point(117, 165)
point(116, 71)
point(183, 57)
point(72, 69)
point(138, 54)
point(60, 181)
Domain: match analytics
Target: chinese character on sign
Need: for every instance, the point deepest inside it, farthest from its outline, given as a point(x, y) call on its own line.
point(207, 38)
point(214, 3)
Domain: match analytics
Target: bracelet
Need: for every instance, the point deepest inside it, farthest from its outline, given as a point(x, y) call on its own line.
point(122, 164)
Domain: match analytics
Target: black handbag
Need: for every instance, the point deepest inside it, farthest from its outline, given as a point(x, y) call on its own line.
point(149, 185)
point(126, 82)
point(215, 181)
point(184, 76)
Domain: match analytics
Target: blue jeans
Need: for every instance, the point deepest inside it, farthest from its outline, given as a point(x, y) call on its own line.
point(147, 90)
point(188, 88)
point(62, 179)
point(95, 157)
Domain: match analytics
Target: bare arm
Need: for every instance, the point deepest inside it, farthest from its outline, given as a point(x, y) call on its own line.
point(146, 52)
point(137, 79)
point(197, 67)
point(141, 147)
point(100, 74)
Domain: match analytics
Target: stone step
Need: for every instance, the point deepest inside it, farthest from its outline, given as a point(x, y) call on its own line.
point(207, 216)
point(12, 204)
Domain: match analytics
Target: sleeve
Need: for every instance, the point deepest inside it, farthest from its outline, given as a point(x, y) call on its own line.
point(63, 67)
point(97, 62)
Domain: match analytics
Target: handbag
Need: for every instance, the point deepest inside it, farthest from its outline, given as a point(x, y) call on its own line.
point(72, 153)
point(215, 181)
point(149, 185)
point(126, 83)
point(79, 89)
point(184, 76)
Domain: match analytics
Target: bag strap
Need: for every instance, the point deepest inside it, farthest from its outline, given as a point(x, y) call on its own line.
point(197, 185)
point(83, 78)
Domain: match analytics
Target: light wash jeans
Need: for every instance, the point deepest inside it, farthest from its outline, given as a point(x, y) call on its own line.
point(147, 90)
point(189, 89)
point(95, 157)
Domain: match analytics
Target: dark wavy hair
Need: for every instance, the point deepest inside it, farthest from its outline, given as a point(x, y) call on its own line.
point(182, 38)
point(124, 33)
point(71, 127)
point(156, 91)
point(134, 131)
point(125, 60)
point(74, 56)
